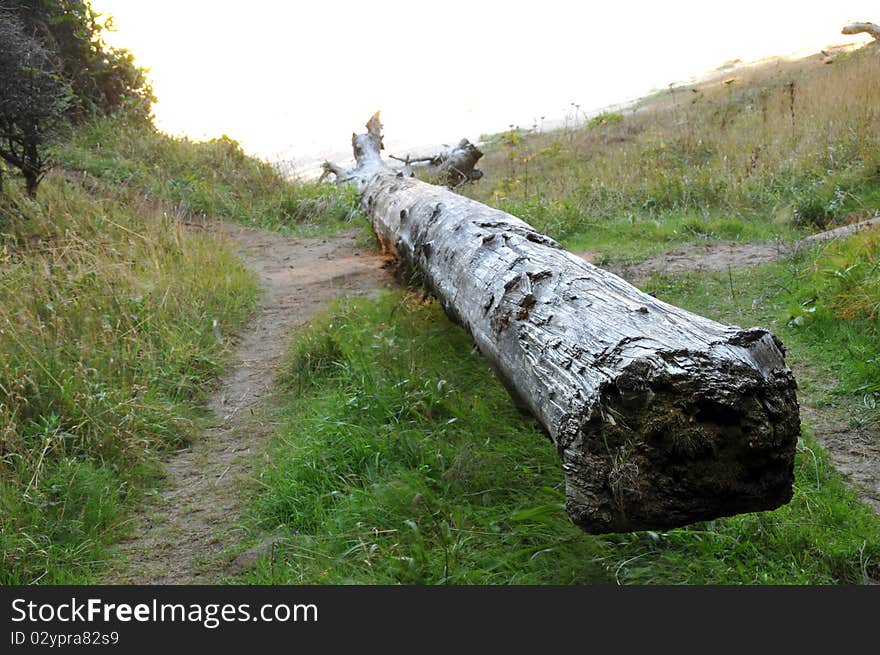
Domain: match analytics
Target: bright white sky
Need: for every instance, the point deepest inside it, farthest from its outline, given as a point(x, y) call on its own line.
point(293, 79)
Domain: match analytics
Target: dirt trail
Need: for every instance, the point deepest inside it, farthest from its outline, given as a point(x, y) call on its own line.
point(193, 517)
point(854, 449)
point(721, 256)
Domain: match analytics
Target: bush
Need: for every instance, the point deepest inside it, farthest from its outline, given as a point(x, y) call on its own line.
point(33, 100)
point(606, 118)
point(103, 80)
point(818, 207)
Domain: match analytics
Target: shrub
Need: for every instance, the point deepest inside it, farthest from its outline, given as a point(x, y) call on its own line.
point(103, 80)
point(33, 99)
point(606, 118)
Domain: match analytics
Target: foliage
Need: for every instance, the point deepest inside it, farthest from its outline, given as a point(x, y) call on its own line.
point(33, 100)
point(605, 118)
point(104, 80)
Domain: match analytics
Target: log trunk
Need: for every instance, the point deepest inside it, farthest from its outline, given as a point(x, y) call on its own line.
point(862, 28)
point(661, 417)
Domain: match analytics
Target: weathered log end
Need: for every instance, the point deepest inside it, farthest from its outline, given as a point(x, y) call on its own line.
point(682, 437)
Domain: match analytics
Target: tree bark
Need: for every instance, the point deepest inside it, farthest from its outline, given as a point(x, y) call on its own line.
point(661, 417)
point(862, 28)
point(31, 182)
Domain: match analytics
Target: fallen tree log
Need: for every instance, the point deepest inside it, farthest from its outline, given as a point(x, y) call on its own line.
point(661, 417)
point(862, 28)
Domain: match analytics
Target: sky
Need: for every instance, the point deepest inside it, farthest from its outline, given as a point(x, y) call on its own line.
point(291, 80)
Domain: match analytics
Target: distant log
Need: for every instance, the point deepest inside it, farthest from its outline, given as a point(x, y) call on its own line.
point(453, 166)
point(661, 417)
point(862, 28)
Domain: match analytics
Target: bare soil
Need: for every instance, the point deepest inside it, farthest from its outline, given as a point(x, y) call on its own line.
point(714, 256)
point(182, 533)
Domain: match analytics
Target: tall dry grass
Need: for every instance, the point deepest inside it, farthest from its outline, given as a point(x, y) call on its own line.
point(784, 140)
point(106, 315)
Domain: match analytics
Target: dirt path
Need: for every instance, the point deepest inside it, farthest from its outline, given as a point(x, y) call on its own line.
point(721, 256)
point(854, 449)
point(193, 517)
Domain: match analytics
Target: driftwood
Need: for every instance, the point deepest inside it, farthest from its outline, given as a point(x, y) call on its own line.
point(862, 28)
point(453, 166)
point(661, 417)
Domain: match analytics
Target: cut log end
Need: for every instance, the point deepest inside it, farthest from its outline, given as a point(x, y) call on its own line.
point(682, 437)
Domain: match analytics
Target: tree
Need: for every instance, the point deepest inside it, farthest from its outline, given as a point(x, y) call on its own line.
point(104, 80)
point(33, 100)
point(660, 417)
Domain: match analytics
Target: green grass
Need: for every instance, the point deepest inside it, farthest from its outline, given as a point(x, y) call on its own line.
point(107, 340)
point(823, 303)
point(400, 459)
point(213, 178)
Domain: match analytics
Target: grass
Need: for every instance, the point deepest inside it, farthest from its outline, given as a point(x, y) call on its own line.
point(107, 340)
point(388, 468)
point(107, 325)
point(784, 149)
point(214, 178)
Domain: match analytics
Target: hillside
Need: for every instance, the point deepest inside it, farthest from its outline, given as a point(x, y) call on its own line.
point(719, 176)
point(386, 451)
point(115, 317)
point(388, 468)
